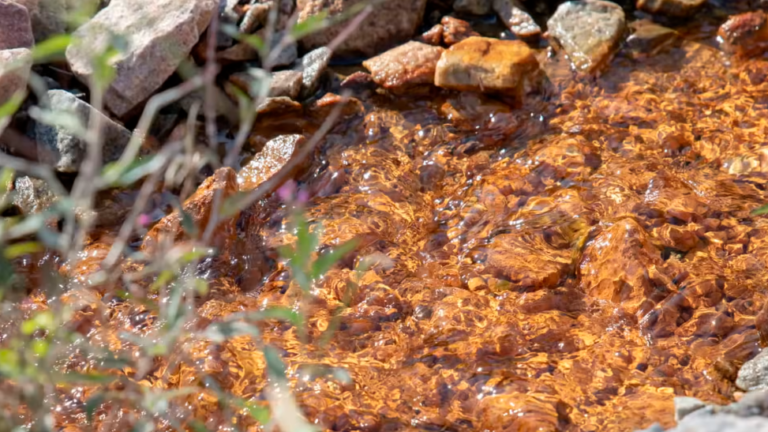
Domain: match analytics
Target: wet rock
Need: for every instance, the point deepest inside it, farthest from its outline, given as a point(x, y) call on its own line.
point(514, 16)
point(392, 22)
point(64, 151)
point(475, 7)
point(360, 84)
point(278, 106)
point(672, 8)
point(648, 38)
point(615, 265)
point(313, 66)
point(686, 405)
point(15, 26)
point(531, 413)
point(456, 30)
point(588, 31)
point(200, 209)
point(753, 375)
point(276, 153)
point(406, 66)
point(745, 34)
point(433, 36)
point(322, 108)
point(32, 195)
point(286, 83)
point(15, 66)
point(153, 52)
point(488, 66)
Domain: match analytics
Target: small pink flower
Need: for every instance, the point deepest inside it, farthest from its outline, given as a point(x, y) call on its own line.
point(144, 219)
point(286, 191)
point(303, 196)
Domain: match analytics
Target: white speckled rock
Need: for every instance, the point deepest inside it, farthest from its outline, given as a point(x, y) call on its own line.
point(160, 34)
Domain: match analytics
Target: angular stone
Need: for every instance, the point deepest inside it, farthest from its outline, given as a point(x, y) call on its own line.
point(32, 195)
point(200, 208)
point(406, 66)
point(672, 8)
point(475, 7)
point(456, 30)
point(753, 375)
point(287, 54)
point(278, 106)
point(433, 36)
point(588, 31)
point(487, 65)
point(391, 22)
point(276, 153)
point(65, 152)
point(518, 21)
point(15, 26)
point(313, 66)
point(745, 34)
point(286, 83)
point(160, 35)
point(15, 66)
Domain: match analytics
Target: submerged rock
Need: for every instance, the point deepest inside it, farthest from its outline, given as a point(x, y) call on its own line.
point(518, 21)
point(588, 31)
point(745, 34)
point(487, 65)
point(200, 209)
point(275, 154)
point(392, 22)
point(62, 149)
point(160, 35)
point(15, 65)
point(406, 66)
point(648, 38)
point(672, 8)
point(15, 26)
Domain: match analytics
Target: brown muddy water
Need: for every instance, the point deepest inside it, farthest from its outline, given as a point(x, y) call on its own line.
point(572, 263)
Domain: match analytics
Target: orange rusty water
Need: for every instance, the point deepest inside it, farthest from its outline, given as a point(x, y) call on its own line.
point(569, 264)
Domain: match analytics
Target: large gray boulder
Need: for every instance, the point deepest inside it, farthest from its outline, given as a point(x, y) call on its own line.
point(64, 151)
point(753, 375)
point(160, 34)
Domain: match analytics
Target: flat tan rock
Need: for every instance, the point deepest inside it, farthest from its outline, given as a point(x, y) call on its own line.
point(487, 65)
point(15, 65)
point(391, 23)
point(160, 35)
point(406, 66)
point(275, 154)
point(588, 31)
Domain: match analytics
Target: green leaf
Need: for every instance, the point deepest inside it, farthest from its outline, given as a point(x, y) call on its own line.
point(92, 404)
point(326, 261)
point(40, 347)
point(282, 313)
point(52, 47)
point(257, 412)
point(125, 175)
point(85, 378)
point(41, 321)
point(275, 365)
point(197, 426)
point(760, 210)
point(10, 107)
point(188, 224)
point(6, 272)
point(19, 249)
point(9, 361)
point(309, 25)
